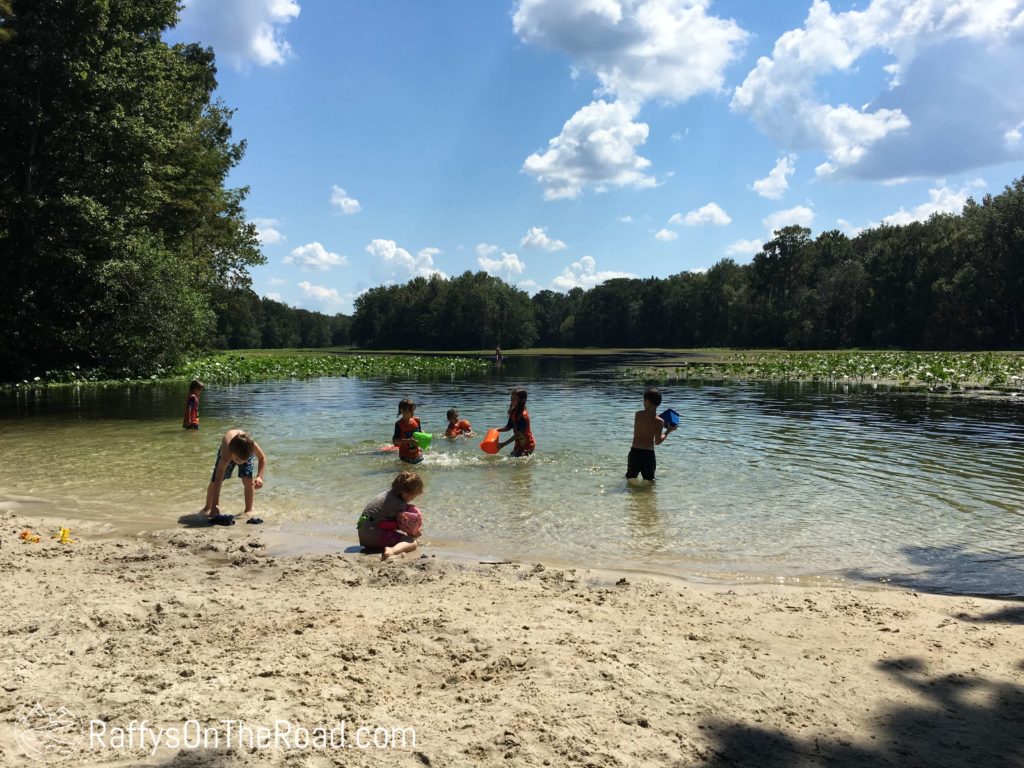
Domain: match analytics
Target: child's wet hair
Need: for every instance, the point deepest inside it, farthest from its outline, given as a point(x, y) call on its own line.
point(453, 413)
point(653, 395)
point(407, 482)
point(196, 385)
point(406, 404)
point(242, 446)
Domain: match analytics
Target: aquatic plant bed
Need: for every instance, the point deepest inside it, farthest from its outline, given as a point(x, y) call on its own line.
point(234, 368)
point(937, 371)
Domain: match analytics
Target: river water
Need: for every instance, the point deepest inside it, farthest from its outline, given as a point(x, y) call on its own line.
point(762, 482)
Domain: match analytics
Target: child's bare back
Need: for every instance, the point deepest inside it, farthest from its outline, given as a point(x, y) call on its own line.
point(647, 429)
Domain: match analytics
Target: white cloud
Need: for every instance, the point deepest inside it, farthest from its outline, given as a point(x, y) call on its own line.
point(530, 286)
point(638, 49)
point(847, 228)
point(626, 219)
point(329, 298)
point(941, 200)
point(936, 111)
point(242, 32)
point(267, 232)
point(706, 214)
point(800, 215)
point(774, 185)
point(314, 256)
point(273, 296)
point(596, 148)
point(679, 135)
point(537, 237)
point(584, 274)
point(277, 281)
point(744, 248)
point(341, 200)
point(394, 263)
point(665, 235)
point(483, 250)
point(507, 265)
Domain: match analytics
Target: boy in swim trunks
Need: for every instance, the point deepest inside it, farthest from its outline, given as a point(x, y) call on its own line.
point(236, 449)
point(648, 431)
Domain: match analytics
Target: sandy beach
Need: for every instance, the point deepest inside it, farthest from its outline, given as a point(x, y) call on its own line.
point(430, 661)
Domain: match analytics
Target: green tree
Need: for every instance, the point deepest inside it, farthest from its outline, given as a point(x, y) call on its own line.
point(112, 170)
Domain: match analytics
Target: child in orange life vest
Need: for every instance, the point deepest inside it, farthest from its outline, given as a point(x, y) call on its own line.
point(519, 423)
point(408, 448)
point(191, 418)
point(457, 427)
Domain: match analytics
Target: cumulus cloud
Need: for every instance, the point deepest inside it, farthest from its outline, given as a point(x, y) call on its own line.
point(940, 200)
point(397, 263)
point(774, 185)
point(800, 215)
point(242, 32)
point(584, 274)
point(537, 237)
point(344, 203)
point(329, 298)
point(267, 232)
point(665, 235)
point(744, 248)
point(506, 265)
point(273, 296)
point(953, 87)
point(848, 229)
point(597, 148)
point(706, 214)
point(315, 257)
point(638, 49)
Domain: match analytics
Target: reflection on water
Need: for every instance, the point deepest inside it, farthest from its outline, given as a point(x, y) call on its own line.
point(760, 481)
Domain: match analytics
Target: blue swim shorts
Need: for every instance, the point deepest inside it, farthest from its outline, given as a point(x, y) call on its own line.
point(244, 470)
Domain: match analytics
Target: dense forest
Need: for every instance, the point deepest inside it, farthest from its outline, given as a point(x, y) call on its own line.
point(955, 281)
point(124, 250)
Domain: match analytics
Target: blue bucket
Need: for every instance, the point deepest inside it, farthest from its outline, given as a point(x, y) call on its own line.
point(670, 417)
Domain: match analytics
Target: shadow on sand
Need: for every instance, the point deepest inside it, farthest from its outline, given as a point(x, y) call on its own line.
point(963, 720)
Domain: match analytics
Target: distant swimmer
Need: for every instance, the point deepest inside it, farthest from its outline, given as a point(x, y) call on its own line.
point(498, 357)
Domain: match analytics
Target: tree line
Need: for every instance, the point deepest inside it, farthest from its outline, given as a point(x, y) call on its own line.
point(955, 281)
point(123, 249)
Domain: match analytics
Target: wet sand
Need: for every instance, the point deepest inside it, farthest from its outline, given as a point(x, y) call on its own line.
point(513, 664)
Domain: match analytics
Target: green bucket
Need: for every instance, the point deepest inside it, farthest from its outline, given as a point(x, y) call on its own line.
point(422, 439)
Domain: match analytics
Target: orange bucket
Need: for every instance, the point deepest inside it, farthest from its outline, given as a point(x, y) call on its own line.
point(490, 443)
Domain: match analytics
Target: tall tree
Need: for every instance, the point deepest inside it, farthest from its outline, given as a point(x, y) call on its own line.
point(115, 222)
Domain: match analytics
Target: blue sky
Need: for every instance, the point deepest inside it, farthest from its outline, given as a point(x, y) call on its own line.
point(558, 143)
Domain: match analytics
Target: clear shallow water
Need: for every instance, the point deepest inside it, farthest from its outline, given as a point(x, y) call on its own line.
point(760, 481)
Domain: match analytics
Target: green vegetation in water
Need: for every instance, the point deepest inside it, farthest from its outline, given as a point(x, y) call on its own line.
point(233, 368)
point(937, 371)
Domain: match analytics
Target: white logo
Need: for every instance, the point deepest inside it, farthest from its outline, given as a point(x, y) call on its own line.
point(48, 732)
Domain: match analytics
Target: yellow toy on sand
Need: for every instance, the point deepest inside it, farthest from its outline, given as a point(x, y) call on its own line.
point(63, 536)
point(27, 537)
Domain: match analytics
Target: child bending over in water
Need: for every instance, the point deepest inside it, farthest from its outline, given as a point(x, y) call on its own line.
point(390, 522)
point(519, 423)
point(648, 431)
point(457, 427)
point(236, 449)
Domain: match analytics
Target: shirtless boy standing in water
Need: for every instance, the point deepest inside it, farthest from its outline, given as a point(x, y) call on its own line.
point(648, 431)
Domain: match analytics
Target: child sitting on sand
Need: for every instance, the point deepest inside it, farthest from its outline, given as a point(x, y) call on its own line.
point(407, 425)
point(237, 448)
point(457, 427)
point(390, 522)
